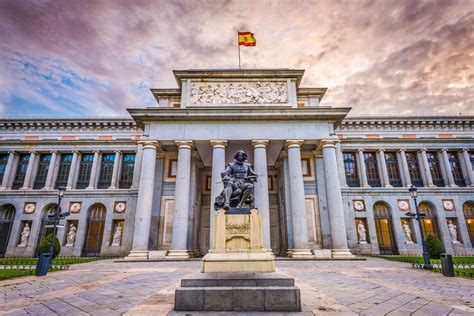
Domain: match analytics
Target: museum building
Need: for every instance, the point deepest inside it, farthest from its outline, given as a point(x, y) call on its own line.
point(328, 185)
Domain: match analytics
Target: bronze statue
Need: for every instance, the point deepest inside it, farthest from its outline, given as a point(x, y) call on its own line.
point(238, 180)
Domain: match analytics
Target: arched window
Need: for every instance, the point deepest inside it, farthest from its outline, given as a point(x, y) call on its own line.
point(7, 215)
point(384, 229)
point(468, 210)
point(430, 222)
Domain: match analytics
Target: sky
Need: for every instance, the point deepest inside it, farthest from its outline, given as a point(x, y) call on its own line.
point(70, 58)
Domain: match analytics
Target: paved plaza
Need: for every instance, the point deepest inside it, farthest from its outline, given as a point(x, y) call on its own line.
point(372, 287)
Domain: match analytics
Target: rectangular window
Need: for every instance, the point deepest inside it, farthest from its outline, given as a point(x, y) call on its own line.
point(106, 170)
point(350, 168)
point(3, 165)
point(392, 169)
point(42, 172)
point(85, 168)
point(63, 170)
point(414, 169)
point(372, 169)
point(435, 169)
point(471, 157)
point(126, 173)
point(456, 169)
point(21, 171)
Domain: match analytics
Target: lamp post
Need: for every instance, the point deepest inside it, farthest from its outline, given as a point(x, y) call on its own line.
point(61, 191)
point(419, 216)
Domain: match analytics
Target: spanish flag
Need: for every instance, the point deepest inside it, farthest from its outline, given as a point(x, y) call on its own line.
point(247, 39)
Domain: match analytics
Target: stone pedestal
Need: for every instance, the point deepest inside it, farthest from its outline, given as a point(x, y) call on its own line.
point(237, 245)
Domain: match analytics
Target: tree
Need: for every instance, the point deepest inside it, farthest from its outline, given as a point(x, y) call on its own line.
point(44, 246)
point(434, 246)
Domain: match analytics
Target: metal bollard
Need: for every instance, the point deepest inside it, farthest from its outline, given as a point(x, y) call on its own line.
point(447, 266)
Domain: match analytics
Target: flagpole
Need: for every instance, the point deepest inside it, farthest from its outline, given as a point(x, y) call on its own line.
point(238, 46)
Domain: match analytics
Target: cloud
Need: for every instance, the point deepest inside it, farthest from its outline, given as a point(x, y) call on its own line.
point(66, 58)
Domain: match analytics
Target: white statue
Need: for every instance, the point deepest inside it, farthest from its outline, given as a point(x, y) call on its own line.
point(24, 236)
point(362, 233)
point(453, 232)
point(71, 235)
point(407, 232)
point(117, 236)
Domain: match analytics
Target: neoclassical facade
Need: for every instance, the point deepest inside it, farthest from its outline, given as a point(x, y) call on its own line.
point(328, 185)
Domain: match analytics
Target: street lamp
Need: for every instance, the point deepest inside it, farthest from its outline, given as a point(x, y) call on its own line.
point(419, 216)
point(56, 218)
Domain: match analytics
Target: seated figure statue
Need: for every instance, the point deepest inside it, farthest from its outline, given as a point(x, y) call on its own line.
point(238, 180)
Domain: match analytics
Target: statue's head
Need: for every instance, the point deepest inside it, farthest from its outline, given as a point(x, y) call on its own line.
point(240, 156)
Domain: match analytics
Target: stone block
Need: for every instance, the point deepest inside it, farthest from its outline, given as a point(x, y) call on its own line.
point(186, 299)
point(322, 253)
point(248, 299)
point(282, 299)
point(218, 299)
point(156, 255)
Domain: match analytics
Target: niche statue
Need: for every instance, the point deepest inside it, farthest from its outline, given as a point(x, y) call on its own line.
point(238, 180)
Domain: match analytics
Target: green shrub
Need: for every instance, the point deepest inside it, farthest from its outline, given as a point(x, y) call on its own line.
point(44, 246)
point(435, 246)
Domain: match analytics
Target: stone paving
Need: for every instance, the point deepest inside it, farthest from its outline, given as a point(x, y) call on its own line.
point(372, 287)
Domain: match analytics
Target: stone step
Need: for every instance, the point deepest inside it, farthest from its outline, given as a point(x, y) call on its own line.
point(237, 282)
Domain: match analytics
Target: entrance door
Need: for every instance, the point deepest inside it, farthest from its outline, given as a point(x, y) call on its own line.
point(95, 231)
point(384, 230)
point(7, 214)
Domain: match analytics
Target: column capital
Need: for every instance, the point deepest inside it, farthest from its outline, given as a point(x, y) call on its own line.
point(184, 144)
point(328, 143)
point(381, 150)
point(317, 153)
point(402, 150)
point(118, 151)
point(290, 143)
point(423, 149)
point(54, 152)
point(33, 151)
point(150, 144)
point(444, 149)
point(218, 143)
point(260, 143)
point(465, 150)
point(96, 151)
point(12, 152)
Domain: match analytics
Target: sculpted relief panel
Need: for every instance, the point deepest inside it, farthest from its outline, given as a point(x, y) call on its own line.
point(250, 92)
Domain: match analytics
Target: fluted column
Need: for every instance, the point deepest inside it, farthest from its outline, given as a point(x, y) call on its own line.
point(334, 202)
point(447, 167)
point(6, 184)
point(261, 187)
point(383, 166)
point(426, 168)
point(218, 166)
point(49, 177)
point(181, 202)
point(340, 165)
point(404, 163)
point(115, 171)
point(94, 171)
point(137, 166)
point(363, 171)
point(298, 204)
point(72, 171)
point(141, 232)
point(467, 163)
point(29, 171)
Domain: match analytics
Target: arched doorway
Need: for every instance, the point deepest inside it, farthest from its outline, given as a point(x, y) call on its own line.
point(95, 230)
point(46, 224)
point(429, 223)
point(384, 229)
point(468, 210)
point(7, 215)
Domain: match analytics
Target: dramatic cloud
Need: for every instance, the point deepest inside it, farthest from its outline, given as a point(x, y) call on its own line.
point(89, 58)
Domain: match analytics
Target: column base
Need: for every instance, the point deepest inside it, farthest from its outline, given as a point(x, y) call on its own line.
point(137, 255)
point(341, 253)
point(388, 186)
point(178, 254)
point(300, 253)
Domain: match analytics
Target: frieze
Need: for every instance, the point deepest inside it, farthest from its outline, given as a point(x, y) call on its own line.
point(251, 92)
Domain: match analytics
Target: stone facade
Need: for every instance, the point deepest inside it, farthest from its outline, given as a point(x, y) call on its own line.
point(144, 187)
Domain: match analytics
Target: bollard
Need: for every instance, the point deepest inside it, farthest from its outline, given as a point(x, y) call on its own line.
point(43, 264)
point(447, 265)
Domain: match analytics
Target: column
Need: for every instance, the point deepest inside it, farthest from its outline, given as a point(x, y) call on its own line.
point(115, 171)
point(8, 171)
point(340, 165)
point(72, 171)
point(94, 171)
point(404, 164)
point(383, 167)
point(363, 172)
point(298, 204)
point(29, 171)
point(261, 188)
point(447, 167)
point(181, 202)
point(218, 166)
point(137, 166)
point(141, 232)
point(426, 169)
point(51, 168)
point(289, 220)
point(467, 163)
point(334, 202)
